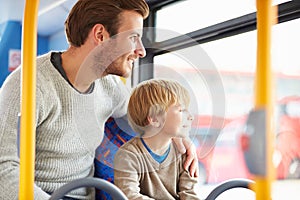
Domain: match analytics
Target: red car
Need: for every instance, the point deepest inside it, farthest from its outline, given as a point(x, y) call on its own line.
point(219, 146)
point(288, 138)
point(219, 153)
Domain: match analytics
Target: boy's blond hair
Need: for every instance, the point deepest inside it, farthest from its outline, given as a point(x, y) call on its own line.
point(153, 98)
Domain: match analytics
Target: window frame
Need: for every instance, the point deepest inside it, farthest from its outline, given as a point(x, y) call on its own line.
point(286, 12)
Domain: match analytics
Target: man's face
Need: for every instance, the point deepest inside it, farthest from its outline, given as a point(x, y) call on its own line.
point(127, 45)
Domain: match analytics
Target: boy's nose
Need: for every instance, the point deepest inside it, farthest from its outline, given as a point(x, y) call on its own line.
point(190, 117)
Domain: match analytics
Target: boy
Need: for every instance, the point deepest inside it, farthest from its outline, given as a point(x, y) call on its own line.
point(149, 166)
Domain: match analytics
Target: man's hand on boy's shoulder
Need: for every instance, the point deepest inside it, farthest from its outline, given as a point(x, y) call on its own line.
point(185, 145)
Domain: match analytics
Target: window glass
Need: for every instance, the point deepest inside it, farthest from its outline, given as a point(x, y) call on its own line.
point(187, 16)
point(232, 62)
point(229, 62)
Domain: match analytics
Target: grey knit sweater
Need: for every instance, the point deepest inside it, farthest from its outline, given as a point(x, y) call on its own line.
point(69, 127)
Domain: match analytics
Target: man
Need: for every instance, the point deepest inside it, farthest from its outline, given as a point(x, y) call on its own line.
point(77, 91)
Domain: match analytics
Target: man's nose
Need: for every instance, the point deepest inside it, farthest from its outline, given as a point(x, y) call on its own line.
point(140, 49)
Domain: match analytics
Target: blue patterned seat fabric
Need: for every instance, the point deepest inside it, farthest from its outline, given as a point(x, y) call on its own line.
point(114, 137)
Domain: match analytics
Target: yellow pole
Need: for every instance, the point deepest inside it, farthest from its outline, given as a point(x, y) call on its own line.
point(264, 94)
point(27, 126)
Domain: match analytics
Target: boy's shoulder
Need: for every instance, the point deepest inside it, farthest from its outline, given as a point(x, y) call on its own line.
point(128, 151)
point(131, 145)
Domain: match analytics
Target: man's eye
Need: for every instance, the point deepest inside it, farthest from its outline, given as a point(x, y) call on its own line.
point(134, 38)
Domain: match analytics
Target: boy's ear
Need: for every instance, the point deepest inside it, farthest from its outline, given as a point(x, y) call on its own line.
point(157, 121)
point(154, 121)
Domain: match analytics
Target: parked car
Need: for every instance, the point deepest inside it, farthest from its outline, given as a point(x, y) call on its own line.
point(288, 138)
point(220, 152)
point(204, 136)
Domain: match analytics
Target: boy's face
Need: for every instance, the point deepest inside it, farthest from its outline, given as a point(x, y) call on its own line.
point(178, 121)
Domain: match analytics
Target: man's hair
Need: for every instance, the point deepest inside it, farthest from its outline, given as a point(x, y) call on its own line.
point(153, 98)
point(86, 13)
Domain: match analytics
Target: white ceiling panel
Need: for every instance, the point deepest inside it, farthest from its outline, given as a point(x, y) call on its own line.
point(51, 15)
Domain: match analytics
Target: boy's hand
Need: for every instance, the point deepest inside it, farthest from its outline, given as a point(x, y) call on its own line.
point(185, 145)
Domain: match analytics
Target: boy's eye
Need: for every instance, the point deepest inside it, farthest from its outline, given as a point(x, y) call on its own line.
point(182, 110)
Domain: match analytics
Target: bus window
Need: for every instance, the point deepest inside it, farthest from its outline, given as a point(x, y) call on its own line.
point(234, 60)
point(200, 14)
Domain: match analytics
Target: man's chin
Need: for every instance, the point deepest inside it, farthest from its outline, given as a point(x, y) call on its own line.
point(122, 75)
point(127, 74)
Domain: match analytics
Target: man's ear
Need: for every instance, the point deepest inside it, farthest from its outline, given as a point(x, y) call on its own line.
point(99, 32)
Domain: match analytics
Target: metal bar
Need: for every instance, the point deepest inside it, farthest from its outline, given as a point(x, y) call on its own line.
point(27, 134)
point(263, 90)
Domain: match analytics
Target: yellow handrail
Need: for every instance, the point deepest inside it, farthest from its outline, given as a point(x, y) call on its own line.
point(264, 91)
point(28, 91)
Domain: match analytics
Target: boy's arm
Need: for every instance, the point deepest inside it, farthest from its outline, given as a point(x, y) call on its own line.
point(185, 145)
point(187, 185)
point(126, 168)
